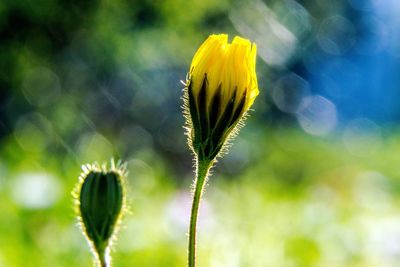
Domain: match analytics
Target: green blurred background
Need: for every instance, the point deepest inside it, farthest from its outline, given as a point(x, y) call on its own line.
point(312, 180)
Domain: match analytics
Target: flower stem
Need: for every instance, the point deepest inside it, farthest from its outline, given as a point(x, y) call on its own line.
point(202, 170)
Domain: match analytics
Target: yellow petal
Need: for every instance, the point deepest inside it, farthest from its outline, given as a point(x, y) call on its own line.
point(231, 66)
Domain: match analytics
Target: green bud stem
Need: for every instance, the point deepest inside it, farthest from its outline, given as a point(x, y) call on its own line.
point(102, 257)
point(101, 260)
point(202, 171)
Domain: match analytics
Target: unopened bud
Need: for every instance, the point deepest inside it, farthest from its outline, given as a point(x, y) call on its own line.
point(100, 198)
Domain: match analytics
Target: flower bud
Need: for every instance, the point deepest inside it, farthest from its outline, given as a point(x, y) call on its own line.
point(100, 200)
point(220, 89)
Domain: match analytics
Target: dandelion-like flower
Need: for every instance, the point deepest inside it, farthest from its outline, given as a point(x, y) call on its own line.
point(100, 202)
point(220, 89)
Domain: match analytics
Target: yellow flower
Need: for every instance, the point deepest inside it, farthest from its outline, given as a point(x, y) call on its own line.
point(221, 87)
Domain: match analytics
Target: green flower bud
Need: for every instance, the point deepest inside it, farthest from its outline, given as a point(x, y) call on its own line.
point(101, 199)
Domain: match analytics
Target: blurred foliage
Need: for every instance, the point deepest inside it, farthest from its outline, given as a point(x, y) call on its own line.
point(82, 81)
point(303, 202)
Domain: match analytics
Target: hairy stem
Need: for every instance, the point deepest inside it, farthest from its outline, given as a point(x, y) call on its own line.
point(202, 170)
point(102, 257)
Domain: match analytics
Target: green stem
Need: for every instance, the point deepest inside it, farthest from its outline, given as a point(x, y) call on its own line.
point(103, 263)
point(202, 170)
point(102, 257)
